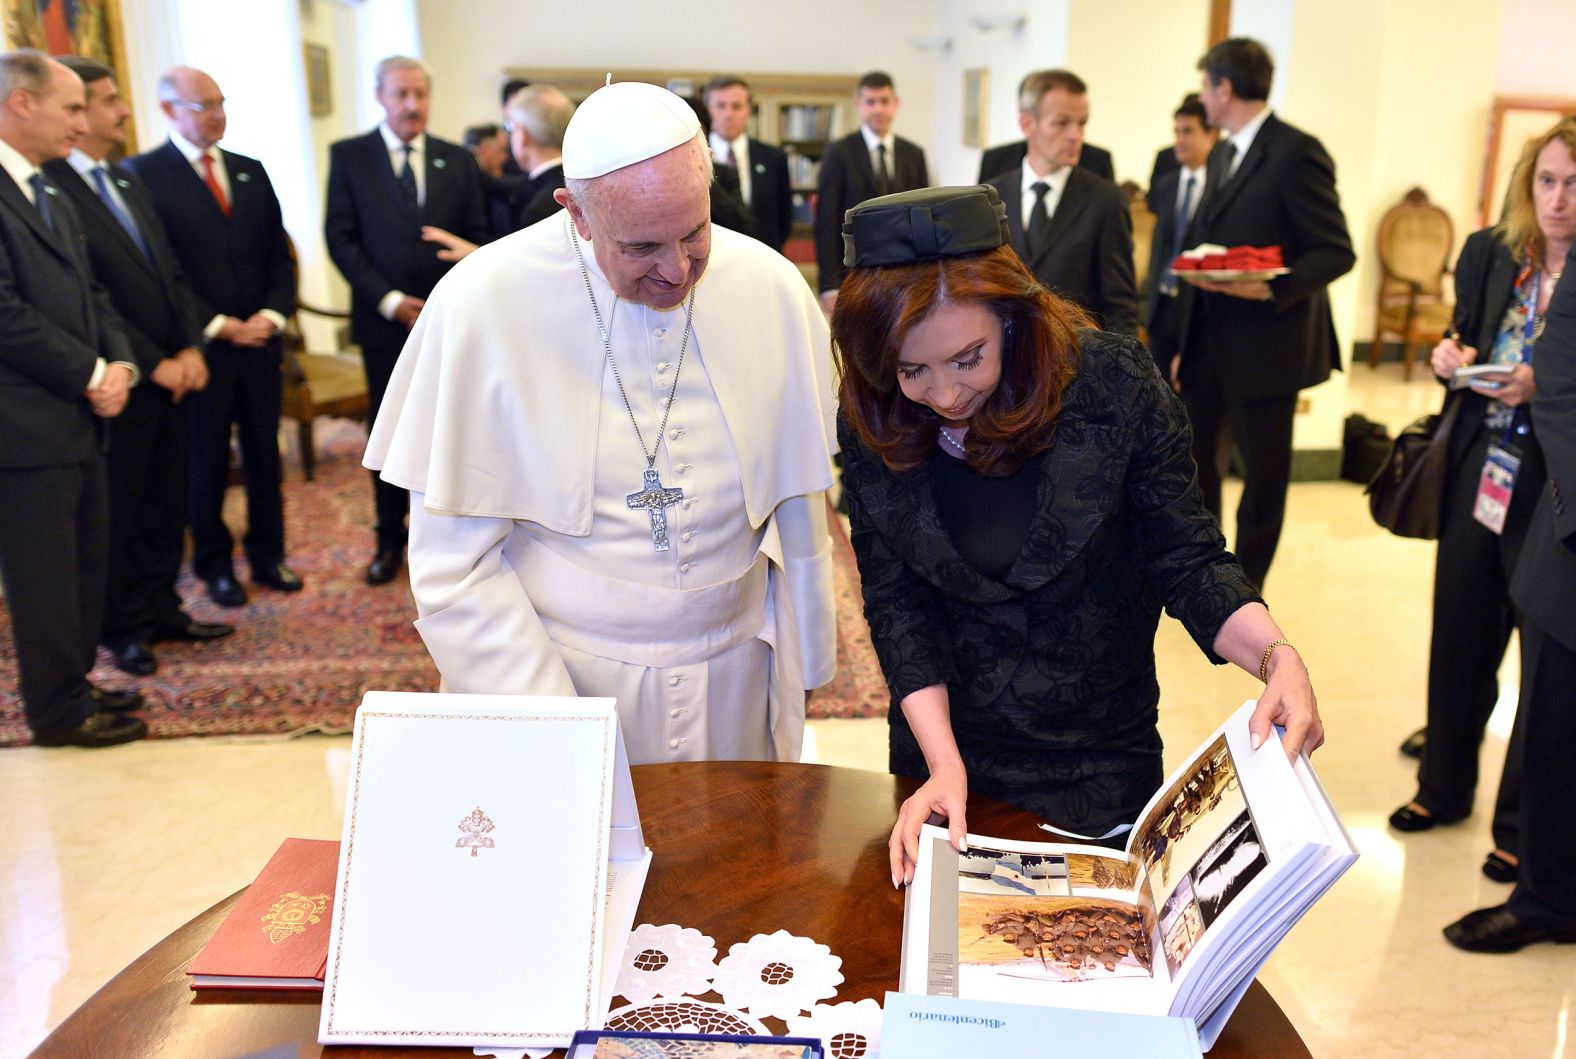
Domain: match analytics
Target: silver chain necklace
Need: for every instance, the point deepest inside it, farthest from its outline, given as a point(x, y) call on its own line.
point(946, 436)
point(652, 498)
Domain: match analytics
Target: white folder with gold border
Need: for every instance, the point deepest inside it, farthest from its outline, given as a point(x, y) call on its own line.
point(489, 870)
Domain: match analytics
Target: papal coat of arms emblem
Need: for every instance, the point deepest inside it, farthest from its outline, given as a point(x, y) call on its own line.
point(475, 826)
point(292, 914)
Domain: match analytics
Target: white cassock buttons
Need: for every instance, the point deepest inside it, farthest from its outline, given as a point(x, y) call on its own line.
point(674, 682)
point(659, 331)
point(673, 743)
point(686, 568)
point(675, 433)
point(689, 535)
point(662, 367)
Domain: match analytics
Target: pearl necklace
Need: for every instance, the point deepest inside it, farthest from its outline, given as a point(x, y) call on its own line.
point(946, 436)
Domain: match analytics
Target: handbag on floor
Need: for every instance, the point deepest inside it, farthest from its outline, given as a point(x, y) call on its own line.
point(1407, 493)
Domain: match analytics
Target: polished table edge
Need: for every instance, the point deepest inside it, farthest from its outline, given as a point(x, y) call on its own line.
point(1257, 1021)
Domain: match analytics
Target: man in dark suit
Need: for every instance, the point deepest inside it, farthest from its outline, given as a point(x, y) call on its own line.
point(1542, 907)
point(222, 218)
point(489, 145)
point(1247, 348)
point(1174, 200)
point(762, 169)
point(64, 364)
point(1071, 228)
point(1008, 156)
point(148, 450)
point(383, 187)
point(869, 161)
point(536, 118)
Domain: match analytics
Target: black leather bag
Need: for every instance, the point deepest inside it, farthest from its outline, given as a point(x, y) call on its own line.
point(1407, 494)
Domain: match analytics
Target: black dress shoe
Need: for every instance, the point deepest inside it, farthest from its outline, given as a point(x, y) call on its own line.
point(278, 577)
point(226, 591)
point(102, 728)
point(124, 701)
point(134, 658)
point(1500, 868)
point(1412, 745)
point(193, 631)
point(385, 565)
point(1498, 929)
point(1408, 819)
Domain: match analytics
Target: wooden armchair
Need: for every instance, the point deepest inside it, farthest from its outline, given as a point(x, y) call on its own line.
point(319, 384)
point(1415, 240)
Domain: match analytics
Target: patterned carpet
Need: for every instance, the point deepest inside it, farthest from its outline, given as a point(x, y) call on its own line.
point(300, 663)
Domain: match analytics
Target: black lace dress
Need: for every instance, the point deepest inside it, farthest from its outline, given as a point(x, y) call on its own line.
point(1050, 668)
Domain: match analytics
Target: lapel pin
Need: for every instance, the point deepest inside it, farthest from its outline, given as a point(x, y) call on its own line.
point(760, 168)
point(244, 178)
point(122, 182)
point(439, 163)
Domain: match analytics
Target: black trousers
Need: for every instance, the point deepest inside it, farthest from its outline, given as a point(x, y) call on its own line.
point(392, 502)
point(148, 478)
point(244, 390)
point(1473, 619)
point(54, 539)
point(1261, 431)
point(1546, 887)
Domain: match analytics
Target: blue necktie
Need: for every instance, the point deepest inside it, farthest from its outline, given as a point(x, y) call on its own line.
point(1179, 233)
point(41, 200)
point(119, 214)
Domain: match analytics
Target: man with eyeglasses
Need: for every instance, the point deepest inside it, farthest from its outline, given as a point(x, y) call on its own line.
point(224, 223)
point(383, 188)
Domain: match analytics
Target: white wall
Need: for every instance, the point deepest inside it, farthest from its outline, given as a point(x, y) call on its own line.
point(1535, 49)
point(471, 42)
point(1134, 89)
point(1007, 54)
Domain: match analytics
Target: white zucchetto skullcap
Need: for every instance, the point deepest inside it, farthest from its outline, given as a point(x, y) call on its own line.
point(624, 123)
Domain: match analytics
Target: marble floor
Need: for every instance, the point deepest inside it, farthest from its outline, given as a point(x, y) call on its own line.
point(105, 852)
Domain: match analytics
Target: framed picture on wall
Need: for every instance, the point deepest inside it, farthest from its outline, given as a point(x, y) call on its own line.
point(1514, 121)
point(90, 28)
point(319, 88)
point(976, 89)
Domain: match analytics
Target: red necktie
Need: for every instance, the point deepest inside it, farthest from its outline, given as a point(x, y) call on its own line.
point(213, 184)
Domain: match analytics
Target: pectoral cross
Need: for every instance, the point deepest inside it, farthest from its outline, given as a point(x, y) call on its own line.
point(655, 499)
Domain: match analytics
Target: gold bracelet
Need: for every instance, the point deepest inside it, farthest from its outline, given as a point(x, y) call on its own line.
point(1264, 663)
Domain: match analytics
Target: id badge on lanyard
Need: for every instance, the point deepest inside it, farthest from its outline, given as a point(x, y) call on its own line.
point(1498, 480)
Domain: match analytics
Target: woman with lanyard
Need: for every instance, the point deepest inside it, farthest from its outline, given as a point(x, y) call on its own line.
point(1023, 501)
point(1504, 279)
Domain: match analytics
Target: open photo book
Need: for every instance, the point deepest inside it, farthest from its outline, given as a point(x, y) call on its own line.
point(1231, 852)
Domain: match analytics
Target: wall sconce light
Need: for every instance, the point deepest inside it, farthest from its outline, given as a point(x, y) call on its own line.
point(1011, 21)
point(941, 44)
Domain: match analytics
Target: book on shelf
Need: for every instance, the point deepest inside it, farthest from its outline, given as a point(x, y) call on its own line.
point(940, 1027)
point(1229, 854)
point(489, 869)
point(276, 935)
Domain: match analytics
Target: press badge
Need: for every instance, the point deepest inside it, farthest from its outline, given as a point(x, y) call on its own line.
point(1495, 487)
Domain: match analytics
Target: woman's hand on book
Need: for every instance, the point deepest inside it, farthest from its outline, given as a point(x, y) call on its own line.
point(942, 798)
point(1288, 701)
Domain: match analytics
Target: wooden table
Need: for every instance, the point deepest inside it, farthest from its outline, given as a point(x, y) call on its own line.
point(739, 848)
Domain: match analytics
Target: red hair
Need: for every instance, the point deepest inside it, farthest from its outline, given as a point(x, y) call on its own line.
point(878, 307)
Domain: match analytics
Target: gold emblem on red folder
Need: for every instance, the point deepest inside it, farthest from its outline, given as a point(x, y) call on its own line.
point(292, 914)
point(475, 827)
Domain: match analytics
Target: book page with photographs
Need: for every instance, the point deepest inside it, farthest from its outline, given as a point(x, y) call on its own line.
point(1008, 919)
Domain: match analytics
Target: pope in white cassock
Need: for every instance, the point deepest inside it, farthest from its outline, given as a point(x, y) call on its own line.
point(617, 427)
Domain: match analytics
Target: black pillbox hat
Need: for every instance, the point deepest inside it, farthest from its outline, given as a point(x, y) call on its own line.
point(922, 225)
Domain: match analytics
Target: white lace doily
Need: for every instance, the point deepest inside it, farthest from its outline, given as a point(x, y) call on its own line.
point(684, 1016)
point(850, 1030)
point(666, 961)
point(513, 1053)
point(778, 974)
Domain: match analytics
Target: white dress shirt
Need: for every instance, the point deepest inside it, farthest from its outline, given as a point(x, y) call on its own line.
point(740, 146)
point(1057, 182)
point(872, 141)
point(1243, 139)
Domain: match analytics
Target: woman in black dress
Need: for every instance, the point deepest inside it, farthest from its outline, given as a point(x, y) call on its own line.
point(1023, 502)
